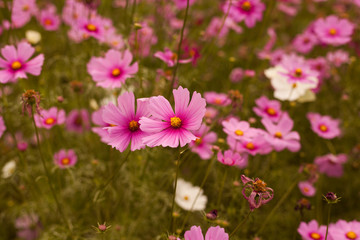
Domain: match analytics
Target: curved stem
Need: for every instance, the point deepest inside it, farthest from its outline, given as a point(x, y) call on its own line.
point(240, 224)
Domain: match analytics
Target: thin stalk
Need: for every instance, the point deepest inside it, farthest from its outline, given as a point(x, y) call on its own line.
point(328, 221)
point(221, 188)
point(133, 12)
point(174, 193)
point(179, 48)
point(240, 224)
point(114, 175)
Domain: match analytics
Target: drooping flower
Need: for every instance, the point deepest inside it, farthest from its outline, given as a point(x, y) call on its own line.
point(343, 230)
point(78, 121)
point(334, 31)
point(213, 233)
point(331, 164)
point(256, 192)
point(307, 189)
point(16, 63)
point(232, 158)
point(312, 231)
point(170, 58)
point(2, 126)
point(203, 142)
point(65, 158)
point(270, 109)
point(123, 121)
point(219, 99)
point(186, 194)
point(171, 129)
point(113, 70)
point(324, 126)
point(49, 118)
point(249, 11)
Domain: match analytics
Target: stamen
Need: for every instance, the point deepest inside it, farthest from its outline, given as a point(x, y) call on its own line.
point(351, 235)
point(246, 6)
point(91, 27)
point(271, 111)
point(315, 236)
point(250, 146)
point(278, 135)
point(175, 122)
point(49, 121)
point(65, 161)
point(16, 65)
point(323, 128)
point(332, 31)
point(133, 125)
point(239, 132)
point(116, 72)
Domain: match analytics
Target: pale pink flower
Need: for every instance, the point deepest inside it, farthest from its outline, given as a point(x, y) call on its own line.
point(65, 158)
point(312, 231)
point(78, 121)
point(169, 57)
point(232, 158)
point(22, 11)
point(331, 165)
point(49, 118)
point(213, 233)
point(338, 57)
point(307, 189)
point(343, 230)
point(96, 118)
point(204, 142)
point(219, 99)
point(270, 109)
point(324, 126)
point(49, 19)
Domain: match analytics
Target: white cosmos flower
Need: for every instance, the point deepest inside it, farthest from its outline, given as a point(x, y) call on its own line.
point(186, 194)
point(8, 169)
point(284, 90)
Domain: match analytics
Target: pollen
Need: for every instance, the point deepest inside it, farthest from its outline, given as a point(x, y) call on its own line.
point(239, 132)
point(246, 6)
point(351, 235)
point(294, 85)
point(116, 72)
point(218, 101)
point(25, 8)
point(48, 22)
point(198, 140)
point(65, 161)
point(91, 27)
point(315, 236)
point(306, 189)
point(250, 146)
point(278, 135)
point(332, 31)
point(186, 197)
point(298, 72)
point(175, 122)
point(323, 128)
point(49, 121)
point(133, 125)
point(271, 111)
point(259, 186)
point(16, 65)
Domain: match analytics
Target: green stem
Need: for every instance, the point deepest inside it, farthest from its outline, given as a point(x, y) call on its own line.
point(221, 188)
point(240, 224)
point(328, 221)
point(174, 193)
point(114, 175)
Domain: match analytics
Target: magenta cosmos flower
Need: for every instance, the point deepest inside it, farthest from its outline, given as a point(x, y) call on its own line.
point(2, 126)
point(170, 57)
point(331, 164)
point(324, 126)
point(232, 158)
point(270, 109)
point(280, 135)
point(312, 231)
point(343, 230)
point(22, 11)
point(78, 121)
point(204, 142)
point(219, 99)
point(307, 189)
point(96, 118)
point(65, 158)
point(113, 70)
point(49, 118)
point(256, 192)
point(239, 130)
point(195, 233)
point(333, 31)
point(168, 128)
point(124, 122)
point(249, 11)
point(17, 64)
point(49, 19)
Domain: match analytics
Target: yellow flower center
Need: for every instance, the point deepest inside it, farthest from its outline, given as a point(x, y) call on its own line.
point(294, 85)
point(116, 72)
point(91, 27)
point(259, 186)
point(351, 235)
point(16, 65)
point(186, 197)
point(198, 140)
point(306, 189)
point(332, 31)
point(48, 22)
point(65, 161)
point(239, 132)
point(246, 6)
point(278, 135)
point(133, 125)
point(315, 235)
point(250, 146)
point(271, 111)
point(298, 72)
point(49, 121)
point(175, 122)
point(323, 128)
point(218, 101)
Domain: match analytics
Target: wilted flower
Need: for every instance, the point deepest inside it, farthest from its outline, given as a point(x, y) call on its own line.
point(331, 198)
point(29, 99)
point(256, 192)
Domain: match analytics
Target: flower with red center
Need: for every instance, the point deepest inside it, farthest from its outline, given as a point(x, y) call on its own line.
point(213, 233)
point(22, 10)
point(170, 128)
point(312, 231)
point(256, 192)
point(49, 118)
point(343, 230)
point(232, 158)
point(49, 19)
point(269, 109)
point(307, 189)
point(123, 121)
point(65, 158)
point(331, 164)
point(305, 42)
point(113, 70)
point(324, 126)
point(203, 142)
point(16, 63)
point(219, 99)
point(249, 11)
point(170, 58)
point(93, 26)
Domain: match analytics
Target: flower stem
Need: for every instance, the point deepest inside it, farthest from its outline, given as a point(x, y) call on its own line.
point(221, 188)
point(328, 221)
point(240, 224)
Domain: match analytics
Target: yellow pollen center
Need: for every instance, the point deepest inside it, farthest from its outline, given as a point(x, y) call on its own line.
point(25, 8)
point(218, 101)
point(250, 146)
point(175, 122)
point(271, 111)
point(133, 125)
point(49, 121)
point(116, 72)
point(16, 65)
point(298, 72)
point(332, 31)
point(239, 132)
point(351, 235)
point(186, 197)
point(294, 85)
point(246, 6)
point(278, 135)
point(91, 27)
point(114, 43)
point(315, 235)
point(65, 161)
point(306, 189)
point(259, 186)
point(198, 140)
point(323, 128)
point(48, 22)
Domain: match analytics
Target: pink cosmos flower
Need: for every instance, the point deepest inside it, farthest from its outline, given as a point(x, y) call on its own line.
point(324, 126)
point(219, 99)
point(305, 42)
point(312, 231)
point(320, 65)
point(65, 158)
point(78, 121)
point(169, 128)
point(145, 39)
point(17, 63)
point(181, 4)
point(338, 57)
point(216, 28)
point(255, 145)
point(232, 158)
point(115, 41)
point(203, 142)
point(170, 57)
point(249, 11)
point(331, 164)
point(289, 7)
point(113, 70)
point(96, 118)
point(236, 75)
point(90, 27)
point(270, 109)
point(212, 233)
point(28, 227)
point(307, 189)
point(124, 122)
point(49, 19)
point(49, 118)
point(334, 31)
point(2, 126)
point(73, 10)
point(239, 130)
point(280, 135)
point(22, 11)
point(343, 230)
point(256, 192)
